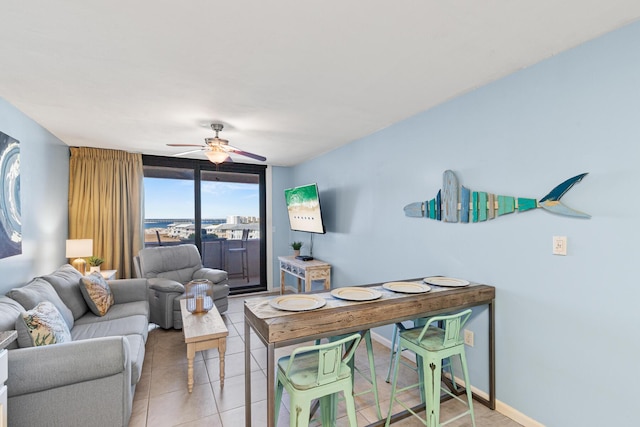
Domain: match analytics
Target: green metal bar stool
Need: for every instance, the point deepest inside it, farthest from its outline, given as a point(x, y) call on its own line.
point(394, 342)
point(432, 344)
point(317, 372)
point(420, 322)
point(371, 378)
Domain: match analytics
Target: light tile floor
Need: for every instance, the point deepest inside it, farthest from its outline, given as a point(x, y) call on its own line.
point(162, 398)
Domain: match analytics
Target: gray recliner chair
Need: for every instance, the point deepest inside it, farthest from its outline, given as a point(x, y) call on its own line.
point(167, 269)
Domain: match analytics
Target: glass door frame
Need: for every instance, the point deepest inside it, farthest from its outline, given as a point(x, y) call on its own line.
point(204, 165)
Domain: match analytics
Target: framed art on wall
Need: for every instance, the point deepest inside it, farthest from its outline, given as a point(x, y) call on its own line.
point(10, 217)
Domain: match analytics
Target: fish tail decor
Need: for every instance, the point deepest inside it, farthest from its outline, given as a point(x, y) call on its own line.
point(456, 203)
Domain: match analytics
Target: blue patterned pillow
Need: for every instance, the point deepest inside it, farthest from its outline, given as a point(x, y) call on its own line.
point(42, 325)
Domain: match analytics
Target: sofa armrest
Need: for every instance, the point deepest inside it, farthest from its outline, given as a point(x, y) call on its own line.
point(211, 274)
point(36, 369)
point(128, 290)
point(165, 285)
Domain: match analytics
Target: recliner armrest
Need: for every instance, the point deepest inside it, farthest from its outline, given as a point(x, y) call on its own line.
point(165, 285)
point(211, 274)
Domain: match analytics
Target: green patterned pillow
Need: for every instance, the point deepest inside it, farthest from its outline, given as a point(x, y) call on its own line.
point(96, 293)
point(42, 325)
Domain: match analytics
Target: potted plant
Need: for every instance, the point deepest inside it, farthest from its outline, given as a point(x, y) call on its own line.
point(94, 263)
point(296, 248)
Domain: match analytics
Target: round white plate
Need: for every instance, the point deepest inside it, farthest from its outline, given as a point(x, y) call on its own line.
point(448, 282)
point(406, 287)
point(298, 302)
point(356, 293)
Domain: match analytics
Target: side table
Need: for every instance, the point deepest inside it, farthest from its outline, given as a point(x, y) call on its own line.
point(6, 338)
point(107, 274)
point(304, 270)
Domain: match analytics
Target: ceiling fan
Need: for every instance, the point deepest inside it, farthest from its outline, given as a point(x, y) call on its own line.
point(217, 149)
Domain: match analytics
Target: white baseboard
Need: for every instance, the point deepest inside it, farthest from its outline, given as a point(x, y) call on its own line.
point(501, 407)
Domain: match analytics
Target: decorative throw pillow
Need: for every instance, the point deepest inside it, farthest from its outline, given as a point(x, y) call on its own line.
point(96, 293)
point(42, 325)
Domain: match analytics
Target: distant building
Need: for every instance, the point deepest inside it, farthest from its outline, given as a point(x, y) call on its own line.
point(181, 231)
point(234, 231)
point(229, 230)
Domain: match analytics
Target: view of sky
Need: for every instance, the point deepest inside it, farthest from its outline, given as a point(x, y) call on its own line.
point(173, 198)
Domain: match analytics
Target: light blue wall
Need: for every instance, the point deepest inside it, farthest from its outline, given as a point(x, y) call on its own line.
point(44, 180)
point(566, 326)
point(281, 178)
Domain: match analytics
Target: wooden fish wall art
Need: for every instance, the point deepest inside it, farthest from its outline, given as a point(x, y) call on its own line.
point(456, 203)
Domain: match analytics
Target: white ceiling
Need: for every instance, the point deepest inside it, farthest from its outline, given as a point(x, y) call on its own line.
point(289, 79)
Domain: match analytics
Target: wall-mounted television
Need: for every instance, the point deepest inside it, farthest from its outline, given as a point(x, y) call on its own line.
point(303, 205)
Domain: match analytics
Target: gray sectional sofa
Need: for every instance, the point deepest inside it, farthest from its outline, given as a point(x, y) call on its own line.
point(90, 380)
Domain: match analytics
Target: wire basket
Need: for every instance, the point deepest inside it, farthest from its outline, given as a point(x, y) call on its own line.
point(199, 295)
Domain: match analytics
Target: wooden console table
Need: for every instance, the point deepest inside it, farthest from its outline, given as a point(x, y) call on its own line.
point(304, 270)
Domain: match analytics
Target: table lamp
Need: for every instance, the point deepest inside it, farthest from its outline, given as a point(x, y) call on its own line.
point(79, 249)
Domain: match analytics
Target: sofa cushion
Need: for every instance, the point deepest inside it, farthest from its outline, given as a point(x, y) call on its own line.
point(66, 281)
point(131, 325)
point(96, 293)
point(42, 325)
point(10, 310)
point(37, 291)
point(117, 311)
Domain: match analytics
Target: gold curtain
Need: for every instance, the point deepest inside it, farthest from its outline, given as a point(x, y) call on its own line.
point(105, 204)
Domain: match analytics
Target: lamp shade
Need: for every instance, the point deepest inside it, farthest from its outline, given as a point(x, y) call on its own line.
point(217, 155)
point(78, 248)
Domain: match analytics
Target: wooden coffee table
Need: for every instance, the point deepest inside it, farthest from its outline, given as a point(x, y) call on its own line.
point(203, 332)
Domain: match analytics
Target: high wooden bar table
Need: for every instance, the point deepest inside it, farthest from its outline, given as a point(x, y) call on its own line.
point(276, 328)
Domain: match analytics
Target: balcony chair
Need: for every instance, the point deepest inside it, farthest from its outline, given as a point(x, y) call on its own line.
point(432, 344)
point(244, 256)
point(317, 372)
point(168, 269)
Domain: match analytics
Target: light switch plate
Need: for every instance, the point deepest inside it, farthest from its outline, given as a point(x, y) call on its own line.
point(468, 337)
point(559, 245)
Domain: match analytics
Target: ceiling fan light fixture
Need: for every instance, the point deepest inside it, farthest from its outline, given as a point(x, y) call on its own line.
point(217, 149)
point(217, 155)
point(216, 141)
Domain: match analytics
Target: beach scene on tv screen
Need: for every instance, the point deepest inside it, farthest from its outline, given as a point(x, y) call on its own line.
point(303, 205)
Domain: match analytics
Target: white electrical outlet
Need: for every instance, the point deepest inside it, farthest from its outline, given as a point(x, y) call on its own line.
point(559, 245)
point(468, 337)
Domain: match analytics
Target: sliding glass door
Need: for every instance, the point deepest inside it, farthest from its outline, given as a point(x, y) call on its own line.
point(220, 210)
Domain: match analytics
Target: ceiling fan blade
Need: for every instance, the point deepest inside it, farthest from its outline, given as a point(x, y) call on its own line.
point(185, 145)
point(245, 153)
point(189, 152)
